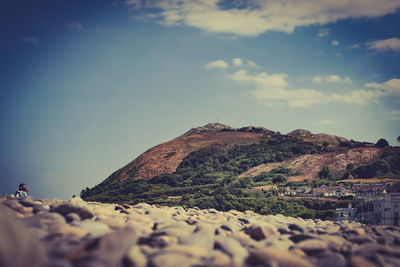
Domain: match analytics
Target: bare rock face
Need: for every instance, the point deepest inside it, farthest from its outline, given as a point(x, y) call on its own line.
point(300, 132)
point(211, 127)
point(321, 137)
point(175, 236)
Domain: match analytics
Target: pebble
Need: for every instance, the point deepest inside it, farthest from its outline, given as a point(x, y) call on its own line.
point(66, 209)
point(94, 228)
point(276, 257)
point(77, 233)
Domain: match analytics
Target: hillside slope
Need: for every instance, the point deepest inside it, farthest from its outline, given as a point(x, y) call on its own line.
point(310, 165)
point(166, 157)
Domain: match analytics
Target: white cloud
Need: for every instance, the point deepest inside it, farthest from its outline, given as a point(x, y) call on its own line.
point(330, 79)
point(355, 46)
point(359, 97)
point(237, 62)
point(31, 39)
point(323, 32)
point(216, 64)
point(252, 18)
point(76, 26)
point(391, 87)
point(272, 90)
point(251, 64)
point(334, 43)
point(385, 45)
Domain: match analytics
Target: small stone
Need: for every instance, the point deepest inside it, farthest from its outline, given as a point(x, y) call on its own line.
point(173, 260)
point(27, 203)
point(135, 257)
point(243, 220)
point(358, 261)
point(312, 246)
point(76, 200)
point(333, 260)
point(65, 209)
point(39, 208)
point(261, 231)
point(300, 237)
point(232, 247)
point(361, 240)
point(203, 237)
point(16, 206)
point(126, 206)
point(355, 231)
point(220, 259)
point(295, 227)
point(226, 228)
point(276, 257)
point(110, 249)
point(72, 217)
point(18, 246)
point(94, 228)
point(189, 250)
point(119, 208)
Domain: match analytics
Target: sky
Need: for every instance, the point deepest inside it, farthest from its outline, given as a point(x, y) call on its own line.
point(87, 86)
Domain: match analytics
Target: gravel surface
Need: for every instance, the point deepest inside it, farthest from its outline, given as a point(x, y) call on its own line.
point(78, 233)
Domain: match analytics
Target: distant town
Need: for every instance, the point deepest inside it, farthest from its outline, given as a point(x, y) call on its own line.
point(376, 203)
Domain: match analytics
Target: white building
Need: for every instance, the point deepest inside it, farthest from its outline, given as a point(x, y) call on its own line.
point(384, 210)
point(346, 214)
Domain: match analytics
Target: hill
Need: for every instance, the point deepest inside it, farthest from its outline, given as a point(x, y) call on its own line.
point(166, 157)
point(214, 165)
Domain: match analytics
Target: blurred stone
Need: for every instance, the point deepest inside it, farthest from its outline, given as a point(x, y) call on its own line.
point(66, 209)
point(18, 246)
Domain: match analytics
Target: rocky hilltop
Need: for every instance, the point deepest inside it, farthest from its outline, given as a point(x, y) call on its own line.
point(78, 233)
point(166, 157)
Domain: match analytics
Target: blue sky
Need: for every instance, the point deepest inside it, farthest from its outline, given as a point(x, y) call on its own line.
point(86, 88)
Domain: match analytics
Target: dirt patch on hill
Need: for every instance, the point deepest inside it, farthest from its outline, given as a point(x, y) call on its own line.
point(310, 165)
point(166, 157)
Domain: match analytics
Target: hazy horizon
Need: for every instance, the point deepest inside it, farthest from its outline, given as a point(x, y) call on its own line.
point(86, 88)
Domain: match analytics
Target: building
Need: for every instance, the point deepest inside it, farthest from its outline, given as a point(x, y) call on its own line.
point(346, 214)
point(381, 211)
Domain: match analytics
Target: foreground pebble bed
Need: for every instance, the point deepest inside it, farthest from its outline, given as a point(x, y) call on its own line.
point(78, 233)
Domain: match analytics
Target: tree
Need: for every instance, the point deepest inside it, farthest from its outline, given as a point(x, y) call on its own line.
point(398, 139)
point(279, 178)
point(325, 173)
point(382, 143)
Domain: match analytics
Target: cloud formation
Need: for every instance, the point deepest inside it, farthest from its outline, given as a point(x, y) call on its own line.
point(385, 45)
point(334, 43)
point(273, 90)
point(391, 87)
point(237, 62)
point(31, 39)
point(216, 64)
point(254, 17)
point(330, 79)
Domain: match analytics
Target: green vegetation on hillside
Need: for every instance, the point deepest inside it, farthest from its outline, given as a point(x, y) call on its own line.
point(208, 178)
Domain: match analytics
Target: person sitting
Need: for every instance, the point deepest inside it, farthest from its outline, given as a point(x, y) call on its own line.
point(22, 191)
